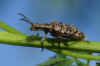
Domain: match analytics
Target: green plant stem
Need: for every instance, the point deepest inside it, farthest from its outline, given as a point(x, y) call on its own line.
point(20, 40)
point(78, 55)
point(51, 62)
point(9, 29)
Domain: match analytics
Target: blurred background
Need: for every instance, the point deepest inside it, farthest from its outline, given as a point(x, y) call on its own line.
point(85, 14)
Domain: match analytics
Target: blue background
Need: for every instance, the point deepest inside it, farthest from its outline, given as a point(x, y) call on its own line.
point(85, 14)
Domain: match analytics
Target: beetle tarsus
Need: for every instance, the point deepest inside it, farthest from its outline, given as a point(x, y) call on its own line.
point(42, 41)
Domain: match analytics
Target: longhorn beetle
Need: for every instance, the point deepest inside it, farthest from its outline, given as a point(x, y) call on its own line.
point(58, 30)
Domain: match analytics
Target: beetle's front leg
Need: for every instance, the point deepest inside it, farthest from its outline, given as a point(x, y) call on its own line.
point(42, 41)
point(38, 33)
point(59, 44)
point(59, 40)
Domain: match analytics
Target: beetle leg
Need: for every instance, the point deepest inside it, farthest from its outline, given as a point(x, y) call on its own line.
point(42, 41)
point(59, 44)
point(38, 34)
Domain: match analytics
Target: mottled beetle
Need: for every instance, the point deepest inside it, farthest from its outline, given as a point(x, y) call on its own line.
point(58, 30)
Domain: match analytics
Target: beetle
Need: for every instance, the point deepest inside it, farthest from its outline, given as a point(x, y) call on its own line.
point(58, 30)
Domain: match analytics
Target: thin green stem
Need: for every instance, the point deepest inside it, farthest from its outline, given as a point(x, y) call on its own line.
point(9, 29)
point(15, 39)
point(78, 55)
point(52, 61)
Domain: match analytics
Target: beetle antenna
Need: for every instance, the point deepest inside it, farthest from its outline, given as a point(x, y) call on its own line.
point(25, 18)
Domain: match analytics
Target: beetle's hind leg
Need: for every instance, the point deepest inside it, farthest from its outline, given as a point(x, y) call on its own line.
point(43, 39)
